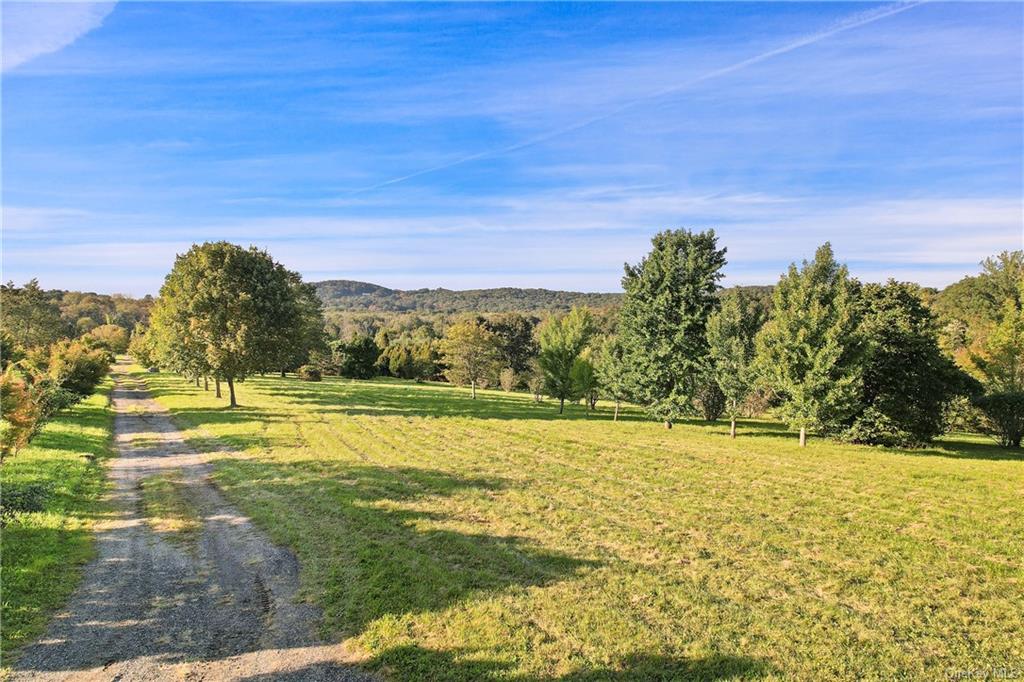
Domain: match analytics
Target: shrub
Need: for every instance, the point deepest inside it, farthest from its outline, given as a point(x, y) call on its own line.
point(507, 379)
point(710, 400)
point(309, 373)
point(77, 368)
point(23, 498)
point(1004, 416)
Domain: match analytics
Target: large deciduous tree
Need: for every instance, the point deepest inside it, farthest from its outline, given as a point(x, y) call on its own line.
point(731, 331)
point(562, 340)
point(906, 379)
point(662, 326)
point(809, 351)
point(470, 353)
point(223, 311)
point(516, 345)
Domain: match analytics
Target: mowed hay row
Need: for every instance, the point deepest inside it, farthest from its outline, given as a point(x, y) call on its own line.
point(493, 539)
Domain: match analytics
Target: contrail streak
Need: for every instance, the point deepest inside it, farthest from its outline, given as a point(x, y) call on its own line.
point(851, 22)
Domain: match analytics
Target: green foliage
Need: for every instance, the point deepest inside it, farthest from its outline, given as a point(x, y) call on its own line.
point(470, 354)
point(305, 333)
point(975, 303)
point(1004, 416)
point(809, 351)
point(308, 373)
point(24, 498)
point(514, 332)
point(141, 347)
point(408, 359)
point(350, 295)
point(356, 358)
point(731, 332)
point(612, 373)
point(111, 336)
point(710, 400)
point(507, 379)
point(662, 325)
point(998, 357)
point(906, 379)
point(49, 379)
point(584, 378)
point(562, 340)
point(225, 312)
point(29, 316)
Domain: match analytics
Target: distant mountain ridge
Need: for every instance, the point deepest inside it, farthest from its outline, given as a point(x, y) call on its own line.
point(344, 294)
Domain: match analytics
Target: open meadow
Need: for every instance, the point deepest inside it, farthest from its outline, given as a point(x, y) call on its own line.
point(448, 538)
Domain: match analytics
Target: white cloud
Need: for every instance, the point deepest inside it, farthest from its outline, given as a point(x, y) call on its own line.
point(32, 29)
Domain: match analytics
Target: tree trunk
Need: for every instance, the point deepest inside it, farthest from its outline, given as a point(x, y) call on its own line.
point(283, 372)
point(561, 405)
point(231, 392)
point(216, 385)
point(206, 383)
point(803, 437)
point(668, 424)
point(732, 428)
point(616, 417)
point(472, 386)
point(197, 382)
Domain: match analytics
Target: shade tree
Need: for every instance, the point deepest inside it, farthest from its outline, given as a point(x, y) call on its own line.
point(562, 340)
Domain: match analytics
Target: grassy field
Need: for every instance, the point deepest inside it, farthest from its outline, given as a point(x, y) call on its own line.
point(43, 551)
point(490, 539)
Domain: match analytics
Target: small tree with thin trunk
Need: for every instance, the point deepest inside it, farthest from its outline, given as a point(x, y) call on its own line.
point(562, 339)
point(612, 372)
point(731, 332)
point(809, 351)
point(470, 353)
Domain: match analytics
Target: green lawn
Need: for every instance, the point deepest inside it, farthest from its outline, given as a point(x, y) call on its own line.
point(491, 539)
point(43, 552)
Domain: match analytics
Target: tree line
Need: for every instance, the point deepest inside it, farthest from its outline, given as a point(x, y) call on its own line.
point(891, 363)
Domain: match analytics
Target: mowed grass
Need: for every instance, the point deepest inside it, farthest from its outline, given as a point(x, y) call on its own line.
point(456, 539)
point(43, 552)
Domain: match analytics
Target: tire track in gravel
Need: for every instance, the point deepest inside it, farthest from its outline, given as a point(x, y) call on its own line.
point(150, 609)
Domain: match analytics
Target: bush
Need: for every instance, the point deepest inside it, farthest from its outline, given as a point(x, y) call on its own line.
point(710, 400)
point(874, 427)
point(1004, 417)
point(77, 368)
point(309, 373)
point(23, 498)
point(507, 379)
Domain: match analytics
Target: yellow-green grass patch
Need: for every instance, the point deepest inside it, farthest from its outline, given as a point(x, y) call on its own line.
point(493, 539)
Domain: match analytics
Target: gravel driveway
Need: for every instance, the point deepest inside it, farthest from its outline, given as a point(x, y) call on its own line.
point(150, 609)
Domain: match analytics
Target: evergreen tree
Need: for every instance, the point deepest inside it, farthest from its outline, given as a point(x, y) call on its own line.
point(662, 325)
point(731, 333)
point(562, 340)
point(809, 351)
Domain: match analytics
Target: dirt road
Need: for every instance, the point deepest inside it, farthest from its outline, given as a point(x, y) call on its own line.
point(222, 608)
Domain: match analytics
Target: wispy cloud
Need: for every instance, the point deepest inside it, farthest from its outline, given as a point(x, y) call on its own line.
point(33, 29)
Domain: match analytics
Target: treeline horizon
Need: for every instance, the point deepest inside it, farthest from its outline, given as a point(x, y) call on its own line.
point(819, 349)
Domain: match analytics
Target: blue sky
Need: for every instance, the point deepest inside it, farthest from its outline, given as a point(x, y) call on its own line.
point(522, 144)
